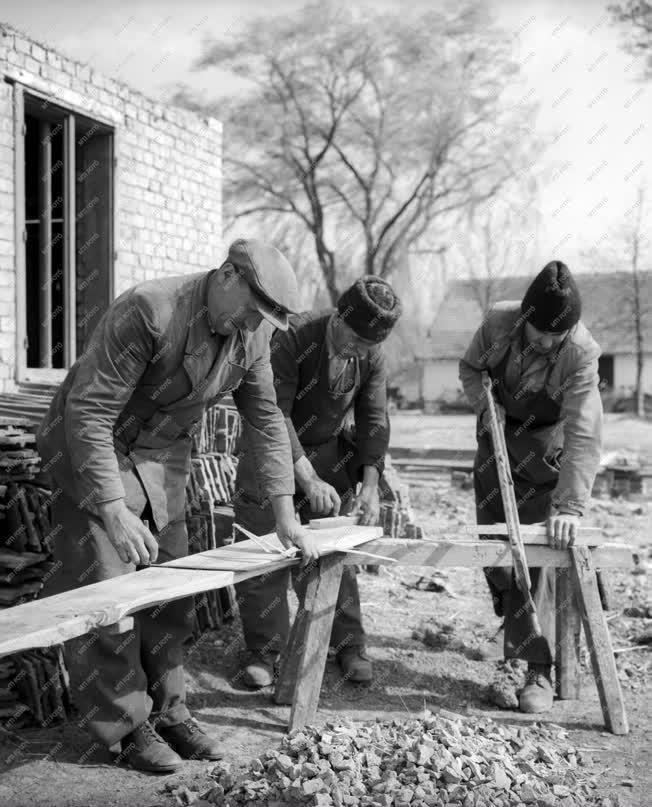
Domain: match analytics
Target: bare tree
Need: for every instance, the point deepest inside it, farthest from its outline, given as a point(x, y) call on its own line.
point(632, 311)
point(637, 243)
point(636, 18)
point(498, 241)
point(371, 130)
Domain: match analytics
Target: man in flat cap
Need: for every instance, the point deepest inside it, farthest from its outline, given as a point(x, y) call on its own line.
point(117, 442)
point(330, 377)
point(544, 366)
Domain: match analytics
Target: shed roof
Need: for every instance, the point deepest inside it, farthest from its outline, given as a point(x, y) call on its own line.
point(607, 311)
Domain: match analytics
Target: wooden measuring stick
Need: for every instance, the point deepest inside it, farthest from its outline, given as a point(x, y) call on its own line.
point(521, 571)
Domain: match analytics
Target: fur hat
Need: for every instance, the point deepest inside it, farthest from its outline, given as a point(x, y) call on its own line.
point(552, 302)
point(370, 307)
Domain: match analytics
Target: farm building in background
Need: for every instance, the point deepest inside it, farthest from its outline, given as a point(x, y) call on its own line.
point(100, 188)
point(607, 310)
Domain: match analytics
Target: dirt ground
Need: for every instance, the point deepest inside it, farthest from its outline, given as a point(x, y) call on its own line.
point(55, 768)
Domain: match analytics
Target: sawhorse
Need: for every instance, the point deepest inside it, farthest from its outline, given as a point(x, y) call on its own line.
point(577, 604)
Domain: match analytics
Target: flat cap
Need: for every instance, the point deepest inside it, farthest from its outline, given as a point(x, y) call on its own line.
point(271, 277)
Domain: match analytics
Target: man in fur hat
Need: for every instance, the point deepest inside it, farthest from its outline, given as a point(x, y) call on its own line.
point(330, 377)
point(544, 366)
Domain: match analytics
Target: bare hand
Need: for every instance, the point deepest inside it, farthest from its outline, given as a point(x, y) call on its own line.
point(132, 540)
point(367, 505)
point(293, 533)
point(323, 498)
point(563, 529)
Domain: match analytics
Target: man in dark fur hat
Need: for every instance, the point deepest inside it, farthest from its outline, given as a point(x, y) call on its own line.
point(330, 377)
point(544, 366)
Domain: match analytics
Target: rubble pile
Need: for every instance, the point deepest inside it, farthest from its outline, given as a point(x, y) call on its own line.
point(438, 759)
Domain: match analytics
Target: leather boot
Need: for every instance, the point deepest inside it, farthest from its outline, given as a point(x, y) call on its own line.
point(258, 669)
point(145, 750)
point(536, 695)
point(190, 741)
point(355, 665)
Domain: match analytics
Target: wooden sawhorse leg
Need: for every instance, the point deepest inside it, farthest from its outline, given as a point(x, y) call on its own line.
point(304, 660)
point(597, 639)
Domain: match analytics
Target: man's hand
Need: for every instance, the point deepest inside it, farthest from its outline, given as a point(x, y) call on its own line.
point(367, 505)
point(563, 529)
point(323, 498)
point(133, 542)
point(293, 533)
point(289, 530)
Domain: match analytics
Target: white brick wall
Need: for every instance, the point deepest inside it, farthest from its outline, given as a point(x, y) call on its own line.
point(168, 217)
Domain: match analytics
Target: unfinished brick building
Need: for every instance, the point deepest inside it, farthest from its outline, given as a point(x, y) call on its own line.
point(100, 188)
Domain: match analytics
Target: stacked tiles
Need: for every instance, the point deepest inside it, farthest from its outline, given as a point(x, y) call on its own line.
point(211, 486)
point(33, 685)
point(396, 516)
point(212, 477)
point(219, 431)
point(34, 688)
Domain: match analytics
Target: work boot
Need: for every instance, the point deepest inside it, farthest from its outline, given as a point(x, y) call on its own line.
point(355, 665)
point(190, 741)
point(536, 695)
point(258, 671)
point(145, 750)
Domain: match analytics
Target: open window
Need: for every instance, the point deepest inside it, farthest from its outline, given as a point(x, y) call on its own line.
point(64, 233)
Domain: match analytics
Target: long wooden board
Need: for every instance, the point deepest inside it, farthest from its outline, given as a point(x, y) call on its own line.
point(477, 554)
point(52, 620)
point(55, 619)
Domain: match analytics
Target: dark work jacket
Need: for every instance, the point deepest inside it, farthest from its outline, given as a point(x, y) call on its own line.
point(314, 415)
point(128, 407)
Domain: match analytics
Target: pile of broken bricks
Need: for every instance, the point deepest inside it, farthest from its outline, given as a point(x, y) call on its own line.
point(441, 759)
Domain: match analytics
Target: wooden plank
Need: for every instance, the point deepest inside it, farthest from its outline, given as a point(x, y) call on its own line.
point(51, 620)
point(536, 537)
point(568, 633)
point(598, 641)
point(585, 535)
point(332, 521)
point(310, 672)
point(476, 554)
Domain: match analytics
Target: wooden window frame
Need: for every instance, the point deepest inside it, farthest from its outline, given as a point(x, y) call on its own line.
point(49, 375)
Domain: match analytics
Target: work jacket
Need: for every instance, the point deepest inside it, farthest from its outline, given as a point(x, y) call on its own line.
point(315, 415)
point(572, 383)
point(129, 406)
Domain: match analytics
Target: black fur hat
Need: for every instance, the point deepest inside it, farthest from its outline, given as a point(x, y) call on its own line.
point(552, 302)
point(371, 307)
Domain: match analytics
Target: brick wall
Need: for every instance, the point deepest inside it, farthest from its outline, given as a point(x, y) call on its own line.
point(168, 200)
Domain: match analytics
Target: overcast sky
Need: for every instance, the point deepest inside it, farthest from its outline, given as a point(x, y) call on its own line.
point(588, 89)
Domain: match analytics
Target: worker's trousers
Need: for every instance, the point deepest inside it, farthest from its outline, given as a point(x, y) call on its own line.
point(119, 681)
point(263, 601)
